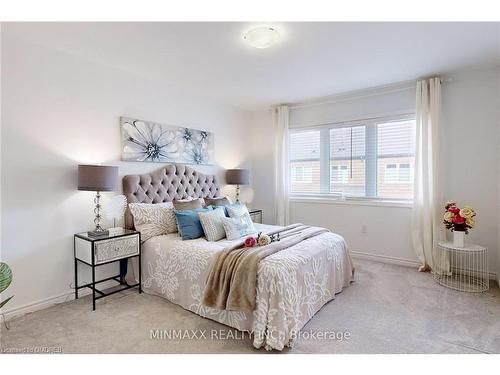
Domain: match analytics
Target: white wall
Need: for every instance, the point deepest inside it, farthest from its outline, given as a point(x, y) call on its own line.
point(59, 111)
point(369, 230)
point(262, 143)
point(470, 152)
point(470, 163)
point(383, 101)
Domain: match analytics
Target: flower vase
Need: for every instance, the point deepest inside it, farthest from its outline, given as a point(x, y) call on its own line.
point(458, 238)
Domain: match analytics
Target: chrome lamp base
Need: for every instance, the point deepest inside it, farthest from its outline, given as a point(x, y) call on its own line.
point(98, 231)
point(237, 194)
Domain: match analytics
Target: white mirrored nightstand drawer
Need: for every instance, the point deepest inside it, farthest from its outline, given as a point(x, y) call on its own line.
point(113, 249)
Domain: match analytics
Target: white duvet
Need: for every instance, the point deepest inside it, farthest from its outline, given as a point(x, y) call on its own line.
point(292, 285)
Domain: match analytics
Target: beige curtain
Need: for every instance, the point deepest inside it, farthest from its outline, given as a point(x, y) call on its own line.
point(281, 165)
point(427, 229)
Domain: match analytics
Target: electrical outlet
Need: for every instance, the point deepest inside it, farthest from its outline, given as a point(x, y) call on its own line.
point(364, 229)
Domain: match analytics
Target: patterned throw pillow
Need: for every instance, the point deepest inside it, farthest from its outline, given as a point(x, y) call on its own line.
point(211, 222)
point(237, 227)
point(153, 219)
point(237, 209)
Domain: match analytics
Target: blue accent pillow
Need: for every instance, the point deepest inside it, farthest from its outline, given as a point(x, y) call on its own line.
point(189, 223)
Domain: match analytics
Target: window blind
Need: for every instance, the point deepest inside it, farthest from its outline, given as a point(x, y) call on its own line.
point(347, 161)
point(305, 161)
point(395, 159)
point(365, 159)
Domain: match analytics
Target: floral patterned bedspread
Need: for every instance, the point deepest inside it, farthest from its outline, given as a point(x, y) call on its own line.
point(292, 285)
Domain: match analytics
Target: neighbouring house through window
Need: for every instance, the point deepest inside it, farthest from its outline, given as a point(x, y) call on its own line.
point(339, 174)
point(302, 174)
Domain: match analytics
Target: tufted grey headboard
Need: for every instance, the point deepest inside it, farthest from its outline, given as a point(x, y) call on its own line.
point(173, 181)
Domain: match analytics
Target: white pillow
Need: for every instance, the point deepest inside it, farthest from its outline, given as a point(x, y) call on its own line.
point(211, 221)
point(153, 219)
point(237, 209)
point(237, 227)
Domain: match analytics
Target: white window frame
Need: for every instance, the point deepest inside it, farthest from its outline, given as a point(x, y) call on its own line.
point(370, 197)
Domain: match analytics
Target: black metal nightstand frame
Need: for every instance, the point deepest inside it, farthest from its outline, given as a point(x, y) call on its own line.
point(118, 278)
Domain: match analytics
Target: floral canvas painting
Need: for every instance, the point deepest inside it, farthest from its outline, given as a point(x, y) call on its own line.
point(152, 142)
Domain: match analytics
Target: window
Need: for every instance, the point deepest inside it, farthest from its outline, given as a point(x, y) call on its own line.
point(391, 173)
point(339, 174)
point(347, 148)
point(364, 159)
point(404, 175)
point(304, 161)
point(397, 174)
point(301, 174)
point(395, 158)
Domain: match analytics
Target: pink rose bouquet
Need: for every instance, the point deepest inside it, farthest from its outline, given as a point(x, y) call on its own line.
point(457, 219)
point(250, 242)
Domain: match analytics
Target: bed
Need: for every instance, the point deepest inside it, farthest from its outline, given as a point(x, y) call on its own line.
point(292, 285)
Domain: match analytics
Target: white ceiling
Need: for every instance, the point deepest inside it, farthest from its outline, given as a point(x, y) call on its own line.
point(312, 59)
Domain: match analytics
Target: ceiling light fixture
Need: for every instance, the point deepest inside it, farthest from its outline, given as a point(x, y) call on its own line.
point(262, 36)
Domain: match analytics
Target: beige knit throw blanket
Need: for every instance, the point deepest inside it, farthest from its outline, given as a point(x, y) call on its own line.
point(232, 278)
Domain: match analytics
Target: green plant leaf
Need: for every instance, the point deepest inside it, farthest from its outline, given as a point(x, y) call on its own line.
point(4, 302)
point(5, 276)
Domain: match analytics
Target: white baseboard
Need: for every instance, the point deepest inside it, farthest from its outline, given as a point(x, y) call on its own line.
point(403, 262)
point(8, 314)
point(385, 259)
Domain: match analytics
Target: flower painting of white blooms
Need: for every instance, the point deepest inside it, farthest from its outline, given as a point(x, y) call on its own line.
point(152, 142)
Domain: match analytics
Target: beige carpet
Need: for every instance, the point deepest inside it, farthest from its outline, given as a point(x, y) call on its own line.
point(388, 309)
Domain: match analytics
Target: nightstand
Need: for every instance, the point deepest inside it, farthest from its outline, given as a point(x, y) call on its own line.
point(95, 252)
point(255, 215)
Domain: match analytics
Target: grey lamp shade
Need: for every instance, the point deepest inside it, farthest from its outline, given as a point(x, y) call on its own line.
point(238, 176)
point(97, 178)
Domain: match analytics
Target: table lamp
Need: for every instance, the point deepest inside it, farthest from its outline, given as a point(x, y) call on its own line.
point(97, 178)
point(238, 177)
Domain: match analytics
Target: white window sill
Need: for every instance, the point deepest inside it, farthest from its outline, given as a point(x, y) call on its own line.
point(350, 201)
